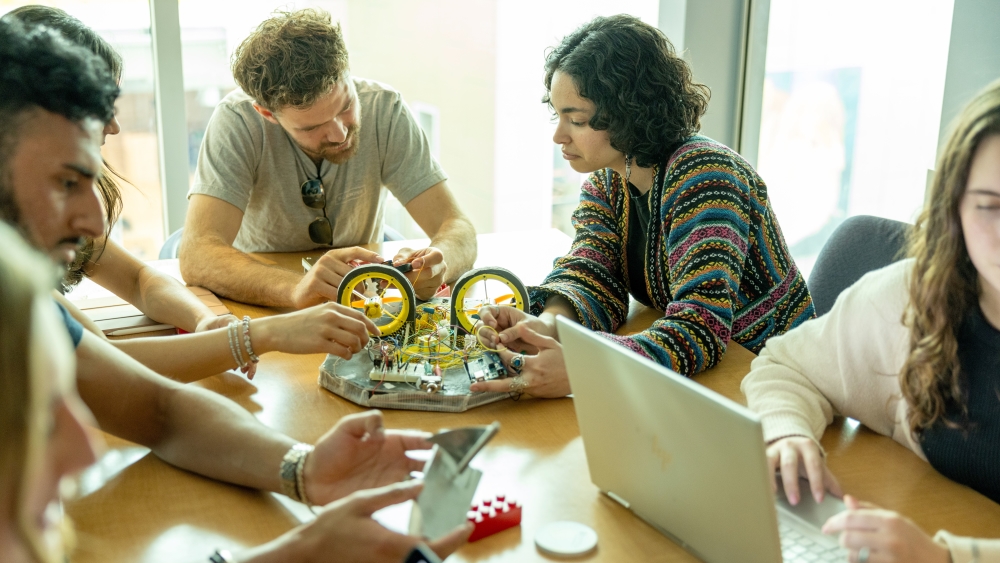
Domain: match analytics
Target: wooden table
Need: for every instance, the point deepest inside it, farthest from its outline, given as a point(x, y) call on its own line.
point(134, 507)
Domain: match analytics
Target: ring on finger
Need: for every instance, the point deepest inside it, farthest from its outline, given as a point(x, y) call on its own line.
point(863, 554)
point(517, 363)
point(518, 384)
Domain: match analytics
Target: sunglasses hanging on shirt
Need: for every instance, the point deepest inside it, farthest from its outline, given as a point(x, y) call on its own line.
point(314, 196)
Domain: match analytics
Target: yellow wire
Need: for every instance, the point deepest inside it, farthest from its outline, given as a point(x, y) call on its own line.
point(479, 337)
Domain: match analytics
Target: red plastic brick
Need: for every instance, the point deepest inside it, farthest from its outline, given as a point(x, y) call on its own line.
point(494, 515)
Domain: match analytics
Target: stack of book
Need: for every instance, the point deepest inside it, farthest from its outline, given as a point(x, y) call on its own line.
point(117, 317)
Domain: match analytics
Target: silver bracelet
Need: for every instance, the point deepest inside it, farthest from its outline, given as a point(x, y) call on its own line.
point(234, 345)
point(293, 472)
point(246, 340)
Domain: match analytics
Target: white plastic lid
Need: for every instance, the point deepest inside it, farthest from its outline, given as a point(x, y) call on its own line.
point(566, 539)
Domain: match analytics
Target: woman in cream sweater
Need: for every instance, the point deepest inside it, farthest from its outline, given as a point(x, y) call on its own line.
point(912, 351)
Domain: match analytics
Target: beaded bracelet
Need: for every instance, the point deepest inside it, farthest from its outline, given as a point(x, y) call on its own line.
point(292, 472)
point(300, 478)
point(246, 340)
point(234, 345)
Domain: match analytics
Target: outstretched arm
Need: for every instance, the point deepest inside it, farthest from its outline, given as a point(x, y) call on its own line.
point(452, 251)
point(186, 426)
point(199, 431)
point(322, 329)
point(159, 296)
point(209, 260)
point(588, 284)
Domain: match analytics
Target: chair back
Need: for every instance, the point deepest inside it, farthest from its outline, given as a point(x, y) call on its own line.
point(390, 234)
point(169, 249)
point(859, 245)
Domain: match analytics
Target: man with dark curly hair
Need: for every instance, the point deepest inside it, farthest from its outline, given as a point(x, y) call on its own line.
point(302, 156)
point(674, 219)
point(52, 116)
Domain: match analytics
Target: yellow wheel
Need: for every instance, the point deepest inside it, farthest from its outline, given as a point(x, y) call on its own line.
point(485, 286)
point(380, 292)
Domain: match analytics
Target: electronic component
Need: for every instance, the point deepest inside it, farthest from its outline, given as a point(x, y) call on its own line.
point(424, 346)
point(403, 268)
point(493, 516)
point(486, 367)
point(407, 372)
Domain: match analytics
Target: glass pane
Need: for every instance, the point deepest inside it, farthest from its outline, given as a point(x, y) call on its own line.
point(851, 111)
point(134, 152)
point(471, 71)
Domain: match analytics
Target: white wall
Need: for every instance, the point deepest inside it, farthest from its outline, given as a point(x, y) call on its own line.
point(973, 56)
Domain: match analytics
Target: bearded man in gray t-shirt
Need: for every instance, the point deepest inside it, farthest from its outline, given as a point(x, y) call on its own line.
point(302, 157)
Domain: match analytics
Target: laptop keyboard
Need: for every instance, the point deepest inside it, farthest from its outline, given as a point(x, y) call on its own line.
point(797, 548)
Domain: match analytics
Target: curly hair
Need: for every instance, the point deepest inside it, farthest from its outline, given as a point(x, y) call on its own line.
point(944, 285)
point(39, 68)
point(291, 59)
point(645, 95)
point(107, 183)
point(76, 31)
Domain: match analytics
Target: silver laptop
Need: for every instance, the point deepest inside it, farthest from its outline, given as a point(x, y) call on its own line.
point(685, 459)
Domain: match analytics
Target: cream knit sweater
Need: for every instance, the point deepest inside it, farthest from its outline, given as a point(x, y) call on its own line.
point(848, 362)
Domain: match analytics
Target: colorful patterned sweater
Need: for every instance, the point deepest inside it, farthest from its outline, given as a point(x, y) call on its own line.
point(716, 262)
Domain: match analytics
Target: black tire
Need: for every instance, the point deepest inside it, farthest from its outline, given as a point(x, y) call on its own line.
point(401, 281)
point(470, 278)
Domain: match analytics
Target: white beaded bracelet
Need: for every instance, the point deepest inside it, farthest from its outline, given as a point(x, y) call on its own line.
point(246, 340)
point(234, 345)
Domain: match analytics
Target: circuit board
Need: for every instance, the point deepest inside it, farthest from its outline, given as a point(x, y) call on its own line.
point(353, 380)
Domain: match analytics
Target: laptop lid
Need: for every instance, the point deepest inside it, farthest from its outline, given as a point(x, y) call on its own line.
point(688, 461)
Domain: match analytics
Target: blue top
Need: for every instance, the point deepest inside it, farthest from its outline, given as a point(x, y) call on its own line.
point(73, 326)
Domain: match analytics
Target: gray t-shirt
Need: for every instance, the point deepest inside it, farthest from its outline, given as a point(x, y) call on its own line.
point(253, 164)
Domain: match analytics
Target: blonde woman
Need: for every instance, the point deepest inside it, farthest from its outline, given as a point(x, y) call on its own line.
point(42, 420)
point(912, 351)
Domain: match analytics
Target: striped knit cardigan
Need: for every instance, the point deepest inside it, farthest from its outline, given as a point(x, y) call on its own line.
point(716, 262)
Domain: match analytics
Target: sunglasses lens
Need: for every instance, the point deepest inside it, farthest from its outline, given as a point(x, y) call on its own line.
point(313, 194)
point(321, 232)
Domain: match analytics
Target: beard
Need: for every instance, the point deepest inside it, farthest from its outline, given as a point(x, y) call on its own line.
point(339, 153)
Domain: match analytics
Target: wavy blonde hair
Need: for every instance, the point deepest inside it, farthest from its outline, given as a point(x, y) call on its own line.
point(23, 400)
point(944, 285)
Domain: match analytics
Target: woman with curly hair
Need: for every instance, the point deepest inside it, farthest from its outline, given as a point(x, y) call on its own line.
point(912, 351)
point(674, 219)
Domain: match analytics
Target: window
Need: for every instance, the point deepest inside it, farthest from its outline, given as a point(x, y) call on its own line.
point(134, 152)
point(851, 111)
point(471, 71)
